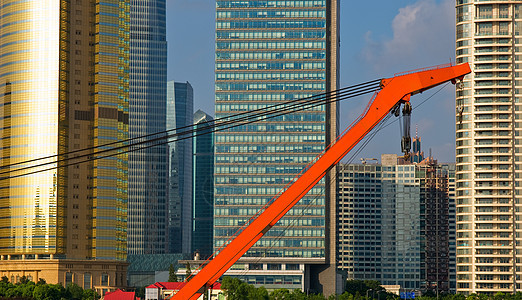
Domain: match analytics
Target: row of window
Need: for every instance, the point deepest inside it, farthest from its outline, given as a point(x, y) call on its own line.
point(266, 138)
point(256, 98)
point(233, 159)
point(270, 66)
point(279, 13)
point(312, 114)
point(270, 86)
point(271, 45)
point(239, 221)
point(307, 211)
point(269, 24)
point(271, 55)
point(264, 179)
point(256, 169)
point(271, 76)
point(220, 149)
point(265, 34)
point(275, 127)
point(262, 200)
point(270, 3)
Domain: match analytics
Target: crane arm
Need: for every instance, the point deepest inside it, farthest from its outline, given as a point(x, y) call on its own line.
point(394, 90)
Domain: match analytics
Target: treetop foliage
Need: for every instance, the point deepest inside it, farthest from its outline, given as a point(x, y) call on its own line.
point(28, 290)
point(235, 289)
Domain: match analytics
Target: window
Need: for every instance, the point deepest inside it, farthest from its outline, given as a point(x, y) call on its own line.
point(68, 278)
point(105, 279)
point(255, 266)
point(87, 281)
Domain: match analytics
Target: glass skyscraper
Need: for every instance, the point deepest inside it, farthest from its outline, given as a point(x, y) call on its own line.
point(269, 52)
point(488, 140)
point(203, 185)
point(64, 87)
point(147, 223)
point(180, 114)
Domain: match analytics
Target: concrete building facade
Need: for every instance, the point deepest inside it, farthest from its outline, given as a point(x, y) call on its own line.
point(488, 147)
point(394, 224)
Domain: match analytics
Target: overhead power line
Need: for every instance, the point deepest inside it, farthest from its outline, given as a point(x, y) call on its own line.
point(220, 124)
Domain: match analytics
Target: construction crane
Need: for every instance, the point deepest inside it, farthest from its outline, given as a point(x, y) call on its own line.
point(394, 92)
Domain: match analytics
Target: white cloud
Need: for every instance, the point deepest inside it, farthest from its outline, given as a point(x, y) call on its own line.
point(423, 35)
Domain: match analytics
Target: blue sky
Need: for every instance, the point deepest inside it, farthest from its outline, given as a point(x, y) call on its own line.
point(378, 38)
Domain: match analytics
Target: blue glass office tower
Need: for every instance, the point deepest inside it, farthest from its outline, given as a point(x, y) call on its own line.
point(147, 207)
point(180, 110)
point(203, 185)
point(268, 52)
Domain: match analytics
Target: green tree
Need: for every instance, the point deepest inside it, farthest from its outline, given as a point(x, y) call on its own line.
point(90, 295)
point(499, 296)
point(356, 286)
point(345, 296)
point(23, 280)
point(236, 289)
point(259, 293)
point(25, 290)
point(298, 295)
point(74, 291)
point(49, 292)
point(5, 285)
point(280, 294)
point(140, 292)
point(172, 274)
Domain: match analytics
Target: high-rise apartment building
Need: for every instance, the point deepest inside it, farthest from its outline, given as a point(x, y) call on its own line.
point(148, 170)
point(203, 185)
point(180, 114)
point(269, 52)
point(63, 88)
point(380, 224)
point(394, 222)
point(488, 145)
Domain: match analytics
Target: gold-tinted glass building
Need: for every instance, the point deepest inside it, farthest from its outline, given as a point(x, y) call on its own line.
point(63, 87)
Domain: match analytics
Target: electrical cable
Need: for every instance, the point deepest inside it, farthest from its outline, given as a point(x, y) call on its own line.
point(291, 102)
point(382, 125)
point(245, 120)
point(366, 139)
point(293, 179)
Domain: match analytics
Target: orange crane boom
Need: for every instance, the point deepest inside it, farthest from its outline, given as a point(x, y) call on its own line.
point(394, 91)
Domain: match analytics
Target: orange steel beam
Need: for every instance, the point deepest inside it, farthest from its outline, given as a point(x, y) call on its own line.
point(394, 90)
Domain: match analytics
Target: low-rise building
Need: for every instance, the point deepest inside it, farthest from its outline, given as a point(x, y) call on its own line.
point(163, 290)
point(271, 273)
